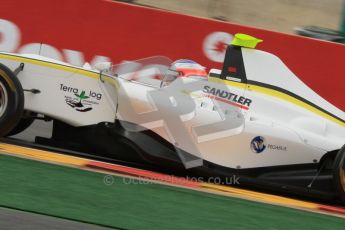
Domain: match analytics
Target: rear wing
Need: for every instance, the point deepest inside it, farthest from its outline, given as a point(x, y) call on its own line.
point(233, 65)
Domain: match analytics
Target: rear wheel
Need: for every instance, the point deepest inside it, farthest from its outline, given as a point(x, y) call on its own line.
point(339, 173)
point(11, 100)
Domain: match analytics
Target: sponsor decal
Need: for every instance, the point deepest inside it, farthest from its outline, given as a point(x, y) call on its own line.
point(227, 97)
point(258, 144)
point(80, 100)
point(277, 147)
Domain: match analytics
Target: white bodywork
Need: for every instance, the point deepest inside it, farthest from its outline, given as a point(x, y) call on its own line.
point(294, 132)
point(47, 75)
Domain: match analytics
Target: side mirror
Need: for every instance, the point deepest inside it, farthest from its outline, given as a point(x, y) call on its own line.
point(102, 66)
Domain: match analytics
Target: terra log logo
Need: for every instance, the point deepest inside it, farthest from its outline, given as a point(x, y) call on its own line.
point(79, 99)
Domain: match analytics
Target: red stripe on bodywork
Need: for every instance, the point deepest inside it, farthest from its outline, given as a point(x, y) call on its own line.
point(232, 69)
point(227, 101)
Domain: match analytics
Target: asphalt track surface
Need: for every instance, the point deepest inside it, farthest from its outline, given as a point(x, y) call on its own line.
point(18, 220)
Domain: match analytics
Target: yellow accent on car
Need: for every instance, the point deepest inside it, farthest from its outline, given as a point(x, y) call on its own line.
point(245, 40)
point(279, 95)
point(68, 68)
point(293, 100)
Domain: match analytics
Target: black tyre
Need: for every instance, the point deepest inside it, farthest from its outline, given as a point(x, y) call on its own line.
point(339, 174)
point(11, 100)
point(23, 124)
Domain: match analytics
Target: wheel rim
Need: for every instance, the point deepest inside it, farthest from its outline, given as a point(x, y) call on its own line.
point(3, 99)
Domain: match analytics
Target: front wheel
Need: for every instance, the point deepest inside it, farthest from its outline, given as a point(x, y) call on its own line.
point(11, 100)
point(339, 174)
point(23, 124)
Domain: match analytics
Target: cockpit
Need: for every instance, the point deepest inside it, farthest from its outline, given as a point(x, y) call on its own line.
point(160, 74)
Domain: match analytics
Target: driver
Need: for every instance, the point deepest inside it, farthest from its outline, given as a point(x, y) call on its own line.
point(185, 69)
point(189, 68)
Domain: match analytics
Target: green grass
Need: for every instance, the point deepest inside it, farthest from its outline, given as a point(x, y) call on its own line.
point(82, 195)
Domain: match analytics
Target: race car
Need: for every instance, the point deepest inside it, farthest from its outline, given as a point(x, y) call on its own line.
point(253, 119)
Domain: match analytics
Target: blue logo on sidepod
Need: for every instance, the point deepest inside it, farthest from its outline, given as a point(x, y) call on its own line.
point(258, 144)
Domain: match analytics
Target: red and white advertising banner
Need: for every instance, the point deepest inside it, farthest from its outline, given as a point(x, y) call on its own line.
point(77, 31)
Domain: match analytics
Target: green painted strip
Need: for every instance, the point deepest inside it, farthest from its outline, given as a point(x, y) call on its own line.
point(82, 195)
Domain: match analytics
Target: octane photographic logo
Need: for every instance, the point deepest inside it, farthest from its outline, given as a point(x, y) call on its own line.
point(215, 44)
point(258, 144)
point(171, 110)
point(78, 100)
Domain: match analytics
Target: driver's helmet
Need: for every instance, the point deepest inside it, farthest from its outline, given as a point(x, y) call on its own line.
point(189, 68)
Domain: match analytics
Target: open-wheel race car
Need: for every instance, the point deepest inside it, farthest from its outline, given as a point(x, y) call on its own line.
point(253, 118)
